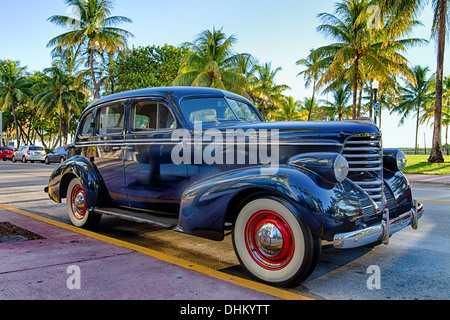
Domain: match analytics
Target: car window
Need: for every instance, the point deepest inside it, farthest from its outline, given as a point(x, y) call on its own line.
point(87, 127)
point(166, 119)
point(36, 149)
point(243, 111)
point(145, 115)
point(150, 116)
point(208, 110)
point(110, 120)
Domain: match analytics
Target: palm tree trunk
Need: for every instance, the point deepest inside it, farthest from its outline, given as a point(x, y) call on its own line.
point(94, 82)
point(416, 150)
point(312, 101)
point(446, 138)
point(355, 88)
point(60, 129)
point(358, 113)
point(16, 123)
point(436, 151)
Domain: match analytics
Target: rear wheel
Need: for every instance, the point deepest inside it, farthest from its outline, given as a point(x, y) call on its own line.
point(273, 243)
point(77, 207)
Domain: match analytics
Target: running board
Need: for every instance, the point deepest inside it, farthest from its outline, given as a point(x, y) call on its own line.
point(141, 217)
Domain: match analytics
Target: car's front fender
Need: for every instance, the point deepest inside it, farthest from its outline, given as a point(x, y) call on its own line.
point(207, 205)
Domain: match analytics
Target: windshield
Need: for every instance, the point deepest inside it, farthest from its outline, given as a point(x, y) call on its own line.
point(218, 110)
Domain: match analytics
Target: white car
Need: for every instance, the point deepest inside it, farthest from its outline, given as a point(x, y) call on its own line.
point(29, 153)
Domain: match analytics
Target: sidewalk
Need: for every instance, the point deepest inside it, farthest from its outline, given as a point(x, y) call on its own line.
point(46, 270)
point(429, 179)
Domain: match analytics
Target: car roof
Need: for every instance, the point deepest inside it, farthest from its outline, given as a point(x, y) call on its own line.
point(171, 93)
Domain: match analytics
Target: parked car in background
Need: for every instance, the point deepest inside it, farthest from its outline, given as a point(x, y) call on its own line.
point(197, 160)
point(59, 155)
point(6, 153)
point(29, 153)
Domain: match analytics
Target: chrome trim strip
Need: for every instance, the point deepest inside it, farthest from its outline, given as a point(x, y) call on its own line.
point(169, 142)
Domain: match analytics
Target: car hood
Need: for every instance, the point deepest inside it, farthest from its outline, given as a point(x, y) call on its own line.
point(308, 131)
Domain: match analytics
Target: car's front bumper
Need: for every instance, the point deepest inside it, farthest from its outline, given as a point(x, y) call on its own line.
point(380, 232)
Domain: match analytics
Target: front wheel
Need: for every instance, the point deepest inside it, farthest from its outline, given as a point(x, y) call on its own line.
point(273, 242)
point(77, 207)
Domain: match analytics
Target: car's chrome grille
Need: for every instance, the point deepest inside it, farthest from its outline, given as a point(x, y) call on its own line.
point(364, 154)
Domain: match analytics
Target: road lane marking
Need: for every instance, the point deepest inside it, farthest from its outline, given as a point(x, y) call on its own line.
point(256, 286)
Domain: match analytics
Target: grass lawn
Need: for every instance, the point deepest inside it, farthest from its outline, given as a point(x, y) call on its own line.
point(418, 164)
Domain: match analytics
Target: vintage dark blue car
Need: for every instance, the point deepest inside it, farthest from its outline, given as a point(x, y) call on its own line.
point(204, 162)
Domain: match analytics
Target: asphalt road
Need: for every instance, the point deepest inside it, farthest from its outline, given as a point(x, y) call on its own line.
point(413, 267)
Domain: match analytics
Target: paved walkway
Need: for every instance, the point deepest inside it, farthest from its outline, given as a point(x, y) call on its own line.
point(69, 265)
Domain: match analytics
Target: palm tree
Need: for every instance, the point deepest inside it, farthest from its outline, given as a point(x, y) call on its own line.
point(248, 66)
point(340, 107)
point(416, 98)
point(313, 72)
point(15, 89)
point(404, 10)
point(360, 52)
point(440, 22)
point(289, 110)
point(57, 94)
point(211, 62)
point(267, 94)
point(92, 29)
point(446, 109)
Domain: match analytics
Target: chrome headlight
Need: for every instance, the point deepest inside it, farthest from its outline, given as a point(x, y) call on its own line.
point(394, 159)
point(401, 160)
point(341, 168)
point(331, 166)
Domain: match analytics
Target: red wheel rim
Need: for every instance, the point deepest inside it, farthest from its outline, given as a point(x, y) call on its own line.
point(78, 203)
point(269, 240)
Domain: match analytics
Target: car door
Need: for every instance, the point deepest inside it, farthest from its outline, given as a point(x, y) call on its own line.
point(54, 155)
point(19, 153)
point(153, 181)
point(109, 155)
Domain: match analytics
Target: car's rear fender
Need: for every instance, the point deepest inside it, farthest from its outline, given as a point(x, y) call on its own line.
point(76, 167)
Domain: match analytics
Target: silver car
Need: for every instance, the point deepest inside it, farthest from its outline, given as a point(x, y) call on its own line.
point(29, 153)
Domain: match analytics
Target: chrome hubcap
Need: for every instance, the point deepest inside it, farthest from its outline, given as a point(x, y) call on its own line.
point(78, 203)
point(269, 240)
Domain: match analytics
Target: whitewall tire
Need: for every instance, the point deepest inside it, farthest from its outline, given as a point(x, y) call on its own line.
point(273, 243)
point(77, 208)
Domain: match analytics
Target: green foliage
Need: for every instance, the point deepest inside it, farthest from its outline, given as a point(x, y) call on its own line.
point(146, 67)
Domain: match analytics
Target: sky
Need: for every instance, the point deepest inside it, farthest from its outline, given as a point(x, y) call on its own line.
point(280, 32)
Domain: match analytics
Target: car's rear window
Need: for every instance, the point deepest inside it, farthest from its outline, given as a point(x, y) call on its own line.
point(5, 149)
point(36, 149)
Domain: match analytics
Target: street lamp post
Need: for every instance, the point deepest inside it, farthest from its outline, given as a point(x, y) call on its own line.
point(375, 86)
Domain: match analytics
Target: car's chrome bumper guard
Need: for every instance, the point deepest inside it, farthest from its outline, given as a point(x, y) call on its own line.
point(380, 232)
